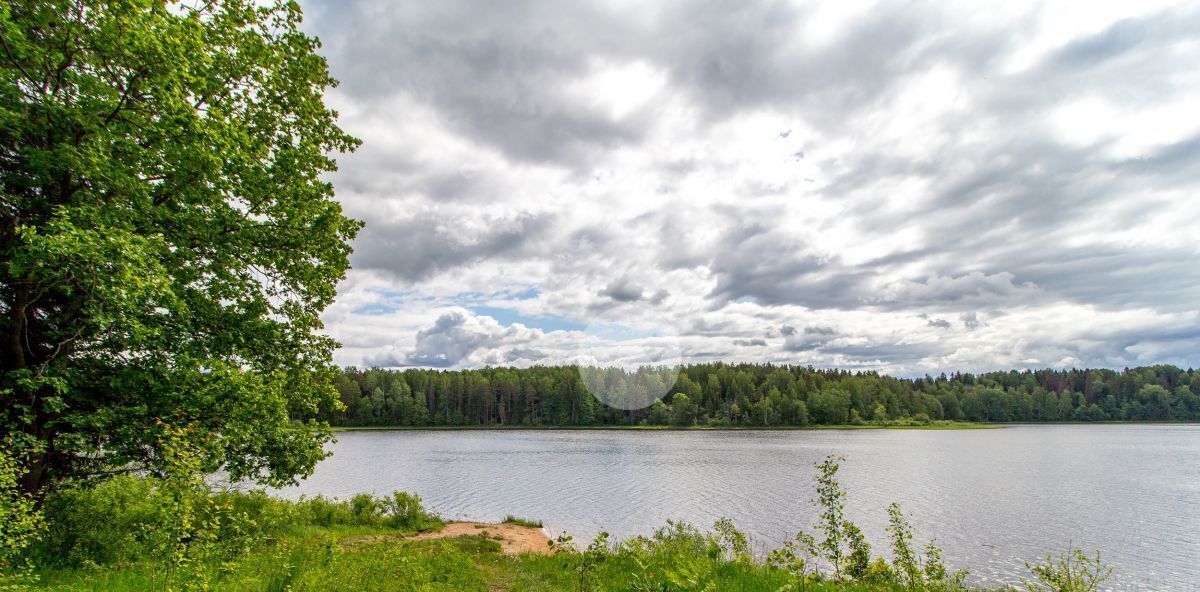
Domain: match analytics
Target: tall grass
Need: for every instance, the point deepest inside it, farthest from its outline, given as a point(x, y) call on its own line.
point(510, 519)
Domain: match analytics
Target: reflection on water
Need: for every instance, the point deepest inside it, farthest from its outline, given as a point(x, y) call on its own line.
point(991, 498)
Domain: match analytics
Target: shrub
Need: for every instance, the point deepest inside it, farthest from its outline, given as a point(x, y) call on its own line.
point(1072, 571)
point(104, 524)
point(727, 542)
point(797, 557)
point(858, 560)
point(323, 511)
point(365, 510)
point(406, 513)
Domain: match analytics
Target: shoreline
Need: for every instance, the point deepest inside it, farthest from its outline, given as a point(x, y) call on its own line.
point(457, 428)
point(957, 425)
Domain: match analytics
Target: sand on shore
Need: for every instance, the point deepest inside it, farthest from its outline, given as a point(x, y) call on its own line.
point(513, 539)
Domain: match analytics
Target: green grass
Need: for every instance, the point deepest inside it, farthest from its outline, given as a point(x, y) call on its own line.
point(510, 519)
point(315, 563)
point(323, 562)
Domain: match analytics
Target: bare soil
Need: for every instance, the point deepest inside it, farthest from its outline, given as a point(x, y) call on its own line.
point(513, 539)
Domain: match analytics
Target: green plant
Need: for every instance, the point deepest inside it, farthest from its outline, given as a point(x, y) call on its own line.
point(909, 570)
point(935, 566)
point(170, 238)
point(105, 523)
point(20, 524)
point(1072, 571)
point(595, 553)
point(195, 534)
point(831, 499)
point(858, 560)
point(730, 543)
point(510, 519)
point(406, 513)
point(796, 557)
point(904, 558)
point(562, 543)
point(366, 510)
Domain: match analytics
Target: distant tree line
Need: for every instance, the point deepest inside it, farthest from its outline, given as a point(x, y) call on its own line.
point(763, 395)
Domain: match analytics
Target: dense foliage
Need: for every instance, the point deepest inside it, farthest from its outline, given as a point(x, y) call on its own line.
point(765, 395)
point(167, 239)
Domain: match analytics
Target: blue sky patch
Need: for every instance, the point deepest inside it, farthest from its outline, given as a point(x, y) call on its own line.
point(508, 316)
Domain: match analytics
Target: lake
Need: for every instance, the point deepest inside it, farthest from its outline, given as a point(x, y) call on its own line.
point(990, 498)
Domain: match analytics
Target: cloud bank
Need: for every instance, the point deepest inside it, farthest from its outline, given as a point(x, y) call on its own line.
point(904, 187)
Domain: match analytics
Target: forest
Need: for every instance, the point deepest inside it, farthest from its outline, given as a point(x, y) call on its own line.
point(724, 395)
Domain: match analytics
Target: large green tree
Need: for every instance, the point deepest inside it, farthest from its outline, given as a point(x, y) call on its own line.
point(167, 238)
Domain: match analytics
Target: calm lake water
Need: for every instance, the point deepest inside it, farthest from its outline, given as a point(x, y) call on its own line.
point(990, 498)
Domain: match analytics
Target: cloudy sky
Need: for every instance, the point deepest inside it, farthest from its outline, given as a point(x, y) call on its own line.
point(904, 186)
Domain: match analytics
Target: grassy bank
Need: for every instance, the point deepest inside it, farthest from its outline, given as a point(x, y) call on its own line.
point(132, 533)
point(933, 425)
point(321, 561)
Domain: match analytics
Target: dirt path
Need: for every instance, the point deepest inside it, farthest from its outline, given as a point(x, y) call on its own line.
point(513, 539)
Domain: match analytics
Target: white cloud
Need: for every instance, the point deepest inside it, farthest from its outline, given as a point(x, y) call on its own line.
point(941, 188)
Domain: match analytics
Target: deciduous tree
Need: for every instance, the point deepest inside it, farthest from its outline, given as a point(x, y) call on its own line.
point(167, 236)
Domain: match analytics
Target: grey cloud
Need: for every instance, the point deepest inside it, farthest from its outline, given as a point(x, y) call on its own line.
point(939, 323)
point(494, 73)
point(770, 267)
point(741, 57)
point(802, 342)
point(970, 320)
point(415, 248)
point(948, 288)
point(750, 342)
point(497, 74)
point(899, 353)
point(705, 326)
point(622, 290)
point(524, 353)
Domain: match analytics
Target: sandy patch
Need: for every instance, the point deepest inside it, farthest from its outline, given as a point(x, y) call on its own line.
point(513, 539)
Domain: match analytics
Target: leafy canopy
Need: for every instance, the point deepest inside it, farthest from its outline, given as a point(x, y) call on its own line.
point(168, 240)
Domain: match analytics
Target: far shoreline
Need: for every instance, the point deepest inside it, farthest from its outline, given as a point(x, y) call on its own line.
point(656, 428)
point(942, 426)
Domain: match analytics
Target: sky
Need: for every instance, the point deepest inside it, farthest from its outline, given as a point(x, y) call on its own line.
point(907, 187)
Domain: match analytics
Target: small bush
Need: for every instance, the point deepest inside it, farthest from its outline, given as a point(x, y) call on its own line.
point(406, 513)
